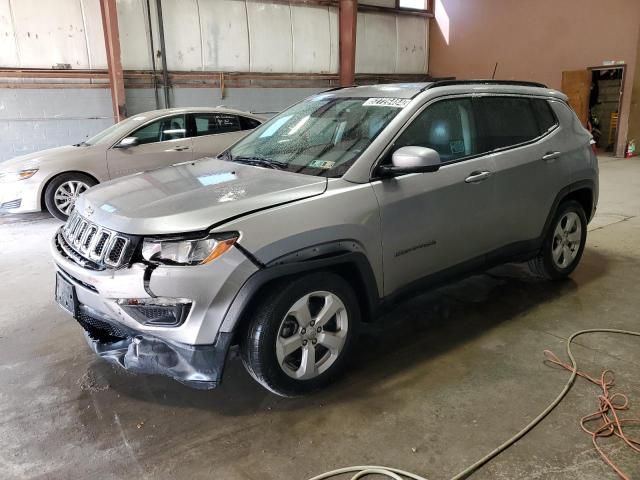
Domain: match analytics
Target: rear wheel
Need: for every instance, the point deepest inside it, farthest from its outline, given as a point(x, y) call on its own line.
point(301, 334)
point(62, 192)
point(563, 246)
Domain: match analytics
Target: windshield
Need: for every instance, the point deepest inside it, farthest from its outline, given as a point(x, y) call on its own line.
point(114, 132)
point(323, 135)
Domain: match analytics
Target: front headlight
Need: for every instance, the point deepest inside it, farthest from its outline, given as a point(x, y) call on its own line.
point(6, 177)
point(188, 252)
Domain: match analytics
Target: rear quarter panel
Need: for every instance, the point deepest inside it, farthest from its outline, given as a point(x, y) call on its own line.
point(576, 143)
point(577, 151)
point(212, 145)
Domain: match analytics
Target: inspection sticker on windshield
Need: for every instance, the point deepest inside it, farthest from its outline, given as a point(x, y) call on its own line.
point(387, 102)
point(325, 164)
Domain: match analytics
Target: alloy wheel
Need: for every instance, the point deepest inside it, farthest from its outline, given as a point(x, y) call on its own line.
point(67, 193)
point(566, 240)
point(312, 335)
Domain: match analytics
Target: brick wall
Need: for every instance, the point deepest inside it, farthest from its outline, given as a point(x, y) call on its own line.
point(37, 119)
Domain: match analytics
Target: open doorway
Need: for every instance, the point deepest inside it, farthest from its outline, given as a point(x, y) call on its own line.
point(605, 102)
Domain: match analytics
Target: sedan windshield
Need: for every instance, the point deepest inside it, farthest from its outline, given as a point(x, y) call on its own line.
point(114, 132)
point(323, 135)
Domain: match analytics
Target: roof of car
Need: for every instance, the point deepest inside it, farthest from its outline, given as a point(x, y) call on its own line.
point(221, 109)
point(411, 90)
point(386, 90)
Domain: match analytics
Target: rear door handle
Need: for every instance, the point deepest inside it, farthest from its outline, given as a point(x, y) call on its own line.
point(551, 156)
point(476, 177)
point(181, 148)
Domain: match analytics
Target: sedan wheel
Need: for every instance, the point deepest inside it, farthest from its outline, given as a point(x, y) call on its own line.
point(62, 192)
point(66, 195)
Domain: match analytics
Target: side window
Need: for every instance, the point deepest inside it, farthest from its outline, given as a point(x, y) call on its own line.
point(544, 115)
point(247, 123)
point(447, 126)
point(169, 128)
point(214, 123)
point(506, 121)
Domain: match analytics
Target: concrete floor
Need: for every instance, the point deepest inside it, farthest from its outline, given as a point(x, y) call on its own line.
point(445, 378)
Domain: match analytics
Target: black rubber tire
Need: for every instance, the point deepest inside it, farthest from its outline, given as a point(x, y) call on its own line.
point(543, 265)
point(257, 345)
point(53, 185)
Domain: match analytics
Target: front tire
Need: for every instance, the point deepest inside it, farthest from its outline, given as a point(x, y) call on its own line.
point(62, 192)
point(301, 333)
point(564, 243)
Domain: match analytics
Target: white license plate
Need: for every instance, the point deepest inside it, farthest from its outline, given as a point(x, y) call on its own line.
point(66, 295)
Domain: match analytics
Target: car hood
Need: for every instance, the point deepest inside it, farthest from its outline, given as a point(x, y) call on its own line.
point(192, 196)
point(36, 159)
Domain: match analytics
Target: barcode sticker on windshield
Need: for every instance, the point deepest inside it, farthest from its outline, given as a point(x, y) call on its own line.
point(387, 102)
point(324, 164)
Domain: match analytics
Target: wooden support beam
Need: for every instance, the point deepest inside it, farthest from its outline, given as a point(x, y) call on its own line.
point(114, 62)
point(348, 19)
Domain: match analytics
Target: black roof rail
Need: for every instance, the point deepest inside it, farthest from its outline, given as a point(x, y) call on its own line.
point(337, 88)
point(518, 83)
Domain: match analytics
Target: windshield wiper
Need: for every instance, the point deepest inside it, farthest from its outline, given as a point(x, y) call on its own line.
point(258, 161)
point(81, 144)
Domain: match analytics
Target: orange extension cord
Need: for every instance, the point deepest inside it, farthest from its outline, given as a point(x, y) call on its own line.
point(610, 405)
point(610, 421)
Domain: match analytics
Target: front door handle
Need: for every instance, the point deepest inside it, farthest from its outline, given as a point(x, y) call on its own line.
point(478, 176)
point(551, 156)
point(180, 148)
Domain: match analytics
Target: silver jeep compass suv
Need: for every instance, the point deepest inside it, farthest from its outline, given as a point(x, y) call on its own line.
point(307, 226)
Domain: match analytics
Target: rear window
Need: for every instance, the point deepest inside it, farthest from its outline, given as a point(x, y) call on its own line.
point(247, 123)
point(506, 121)
point(544, 115)
point(215, 123)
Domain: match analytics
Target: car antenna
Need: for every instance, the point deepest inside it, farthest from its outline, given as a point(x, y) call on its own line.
point(494, 71)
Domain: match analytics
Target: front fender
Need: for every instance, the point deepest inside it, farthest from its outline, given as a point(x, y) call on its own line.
point(327, 258)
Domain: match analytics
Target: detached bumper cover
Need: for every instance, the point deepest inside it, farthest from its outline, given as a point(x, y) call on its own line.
point(197, 366)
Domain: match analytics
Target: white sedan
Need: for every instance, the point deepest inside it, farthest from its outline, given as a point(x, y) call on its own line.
point(54, 178)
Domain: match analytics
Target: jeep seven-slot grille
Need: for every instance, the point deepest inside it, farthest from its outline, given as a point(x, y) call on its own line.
point(93, 246)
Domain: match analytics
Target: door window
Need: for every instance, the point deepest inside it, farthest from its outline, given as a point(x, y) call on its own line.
point(215, 123)
point(448, 127)
point(506, 121)
point(168, 128)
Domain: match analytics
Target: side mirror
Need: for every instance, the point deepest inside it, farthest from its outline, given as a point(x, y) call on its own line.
point(128, 142)
point(411, 160)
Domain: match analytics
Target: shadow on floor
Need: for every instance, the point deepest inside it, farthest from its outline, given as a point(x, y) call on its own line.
point(24, 218)
point(412, 333)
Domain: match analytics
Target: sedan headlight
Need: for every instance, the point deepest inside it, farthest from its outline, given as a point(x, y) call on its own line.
point(6, 177)
point(188, 251)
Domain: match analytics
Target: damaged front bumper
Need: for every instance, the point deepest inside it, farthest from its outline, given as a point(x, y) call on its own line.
point(124, 313)
point(197, 366)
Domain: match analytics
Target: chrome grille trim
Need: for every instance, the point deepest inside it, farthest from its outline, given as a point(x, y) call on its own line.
point(95, 244)
point(111, 249)
point(88, 238)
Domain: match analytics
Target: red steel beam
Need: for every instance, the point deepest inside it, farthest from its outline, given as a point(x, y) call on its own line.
point(114, 62)
point(348, 18)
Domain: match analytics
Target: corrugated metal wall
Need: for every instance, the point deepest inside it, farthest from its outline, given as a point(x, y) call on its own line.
point(213, 35)
point(205, 35)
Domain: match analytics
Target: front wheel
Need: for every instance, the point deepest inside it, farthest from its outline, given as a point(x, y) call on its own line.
point(564, 243)
point(301, 333)
point(62, 192)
